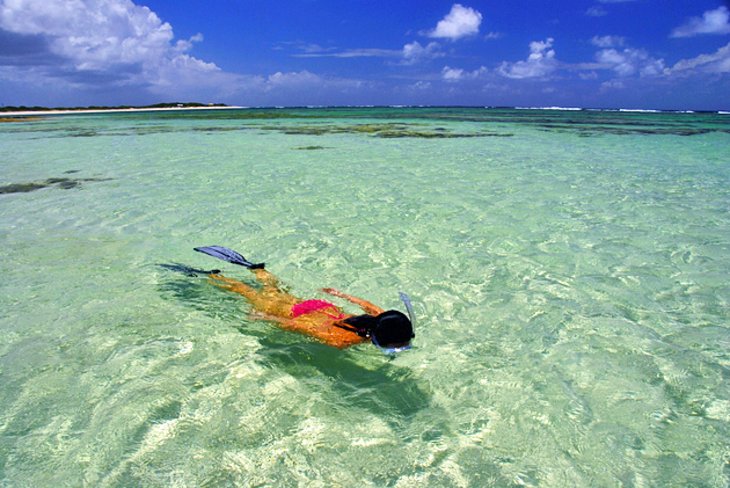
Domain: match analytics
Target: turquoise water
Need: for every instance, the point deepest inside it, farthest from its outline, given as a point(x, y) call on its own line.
point(569, 271)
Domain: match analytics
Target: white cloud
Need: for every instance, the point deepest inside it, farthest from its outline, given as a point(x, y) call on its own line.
point(717, 62)
point(411, 53)
point(599, 11)
point(306, 80)
point(456, 74)
point(612, 85)
point(295, 78)
point(414, 52)
point(590, 75)
point(596, 12)
point(608, 41)
point(421, 85)
point(124, 43)
point(102, 51)
point(540, 63)
point(306, 48)
point(712, 22)
point(628, 62)
point(364, 52)
point(459, 22)
point(452, 74)
point(183, 45)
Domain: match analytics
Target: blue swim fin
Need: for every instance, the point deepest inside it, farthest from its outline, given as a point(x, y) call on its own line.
point(229, 255)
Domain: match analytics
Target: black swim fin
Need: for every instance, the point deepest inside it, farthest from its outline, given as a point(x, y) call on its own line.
point(187, 270)
point(229, 255)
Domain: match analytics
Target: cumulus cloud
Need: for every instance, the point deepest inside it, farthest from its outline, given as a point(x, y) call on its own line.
point(459, 22)
point(629, 61)
point(457, 74)
point(414, 52)
point(452, 74)
point(712, 22)
point(612, 85)
point(94, 34)
point(82, 51)
point(97, 43)
point(540, 63)
point(608, 41)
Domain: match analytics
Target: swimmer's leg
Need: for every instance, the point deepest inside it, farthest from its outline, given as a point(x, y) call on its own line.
point(235, 286)
point(266, 278)
point(271, 289)
point(269, 301)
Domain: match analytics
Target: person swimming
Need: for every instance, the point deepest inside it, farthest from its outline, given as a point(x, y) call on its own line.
point(389, 330)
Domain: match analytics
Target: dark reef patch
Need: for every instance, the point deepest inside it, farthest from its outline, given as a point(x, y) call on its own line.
point(82, 133)
point(386, 131)
point(63, 183)
point(308, 148)
point(217, 129)
point(21, 187)
point(591, 131)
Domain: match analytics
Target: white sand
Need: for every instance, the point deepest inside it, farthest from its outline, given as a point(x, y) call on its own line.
point(101, 111)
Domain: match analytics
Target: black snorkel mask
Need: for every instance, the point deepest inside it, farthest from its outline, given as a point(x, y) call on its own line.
point(412, 316)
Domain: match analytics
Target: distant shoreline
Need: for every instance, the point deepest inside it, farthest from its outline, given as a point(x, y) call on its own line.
point(40, 112)
point(112, 110)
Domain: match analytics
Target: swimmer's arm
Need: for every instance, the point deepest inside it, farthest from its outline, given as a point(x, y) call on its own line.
point(367, 307)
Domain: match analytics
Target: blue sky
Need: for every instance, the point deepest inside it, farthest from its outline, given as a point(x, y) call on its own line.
point(665, 54)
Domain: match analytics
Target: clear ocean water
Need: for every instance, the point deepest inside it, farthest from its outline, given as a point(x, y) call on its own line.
point(569, 271)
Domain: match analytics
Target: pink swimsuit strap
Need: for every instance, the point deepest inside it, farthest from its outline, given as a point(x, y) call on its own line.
point(310, 306)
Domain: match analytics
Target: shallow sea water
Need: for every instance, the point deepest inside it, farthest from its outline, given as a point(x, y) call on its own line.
point(569, 271)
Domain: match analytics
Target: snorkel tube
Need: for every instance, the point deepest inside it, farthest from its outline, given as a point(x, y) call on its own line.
point(409, 308)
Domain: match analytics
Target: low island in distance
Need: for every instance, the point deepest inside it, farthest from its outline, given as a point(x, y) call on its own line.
point(9, 113)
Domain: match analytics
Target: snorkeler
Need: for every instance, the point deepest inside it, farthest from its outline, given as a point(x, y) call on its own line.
point(391, 331)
